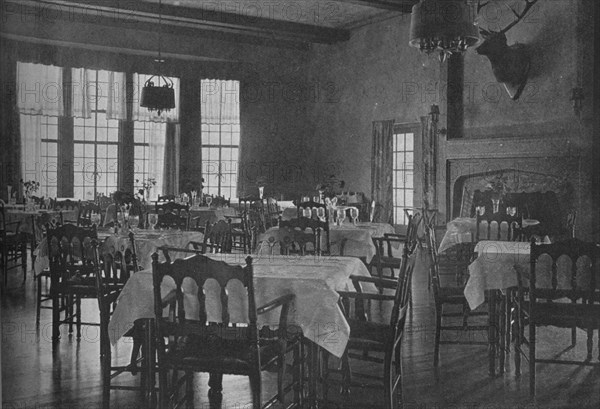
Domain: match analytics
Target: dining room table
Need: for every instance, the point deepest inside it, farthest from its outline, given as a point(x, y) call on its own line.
point(315, 312)
point(492, 275)
point(146, 242)
point(350, 239)
point(464, 229)
point(32, 221)
point(198, 214)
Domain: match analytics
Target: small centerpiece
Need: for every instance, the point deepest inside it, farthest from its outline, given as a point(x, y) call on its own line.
point(329, 187)
point(498, 188)
point(29, 188)
point(261, 182)
point(144, 192)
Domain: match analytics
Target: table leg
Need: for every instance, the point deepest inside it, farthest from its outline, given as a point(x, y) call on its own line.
point(149, 351)
point(502, 331)
point(492, 331)
point(313, 374)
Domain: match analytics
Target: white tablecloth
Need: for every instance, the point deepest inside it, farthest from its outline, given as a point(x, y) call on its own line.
point(146, 242)
point(39, 217)
point(358, 238)
point(314, 282)
point(459, 230)
point(495, 268)
point(203, 213)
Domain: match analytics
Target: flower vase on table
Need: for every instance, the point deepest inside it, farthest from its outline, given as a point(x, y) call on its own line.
point(29, 203)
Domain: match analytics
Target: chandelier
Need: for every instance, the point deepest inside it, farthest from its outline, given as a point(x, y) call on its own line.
point(445, 26)
point(157, 97)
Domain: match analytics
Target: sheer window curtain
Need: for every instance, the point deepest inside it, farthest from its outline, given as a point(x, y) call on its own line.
point(220, 102)
point(382, 171)
point(39, 93)
point(220, 105)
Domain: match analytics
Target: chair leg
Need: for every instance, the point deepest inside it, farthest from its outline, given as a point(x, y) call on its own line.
point(590, 343)
point(24, 259)
point(55, 318)
point(38, 300)
point(105, 363)
point(163, 390)
point(5, 265)
point(399, 393)
point(518, 338)
point(78, 308)
point(189, 390)
point(280, 379)
point(438, 330)
point(325, 377)
point(69, 312)
point(388, 379)
point(346, 374)
point(297, 375)
point(532, 342)
point(255, 386)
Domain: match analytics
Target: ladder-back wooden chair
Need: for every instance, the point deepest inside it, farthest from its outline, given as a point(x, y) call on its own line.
point(215, 344)
point(375, 341)
point(562, 292)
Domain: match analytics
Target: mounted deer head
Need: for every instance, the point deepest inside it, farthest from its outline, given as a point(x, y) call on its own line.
point(510, 64)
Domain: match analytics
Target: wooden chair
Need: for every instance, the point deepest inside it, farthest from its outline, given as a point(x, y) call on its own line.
point(125, 262)
point(71, 274)
point(84, 218)
point(252, 224)
point(217, 238)
point(272, 213)
point(384, 258)
point(13, 247)
point(132, 203)
point(220, 201)
point(64, 206)
point(312, 205)
point(218, 347)
point(103, 202)
point(449, 296)
point(111, 276)
point(319, 235)
point(562, 292)
point(173, 215)
point(497, 226)
point(372, 211)
point(375, 341)
point(165, 199)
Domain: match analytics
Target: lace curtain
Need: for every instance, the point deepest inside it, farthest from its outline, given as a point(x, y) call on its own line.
point(220, 102)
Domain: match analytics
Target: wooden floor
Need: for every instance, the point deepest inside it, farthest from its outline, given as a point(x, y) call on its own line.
point(33, 378)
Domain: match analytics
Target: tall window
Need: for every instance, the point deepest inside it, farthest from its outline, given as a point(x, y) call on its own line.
point(220, 113)
point(40, 103)
point(96, 143)
point(91, 142)
point(404, 137)
point(46, 170)
point(49, 157)
point(149, 158)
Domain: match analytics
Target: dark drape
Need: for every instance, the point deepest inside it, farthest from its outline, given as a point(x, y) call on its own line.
point(10, 135)
point(382, 188)
point(170, 176)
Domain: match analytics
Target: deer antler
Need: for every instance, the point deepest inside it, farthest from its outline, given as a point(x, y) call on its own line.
point(480, 6)
point(528, 5)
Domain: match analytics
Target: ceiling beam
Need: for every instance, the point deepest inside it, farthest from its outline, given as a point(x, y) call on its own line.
point(403, 6)
point(123, 11)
